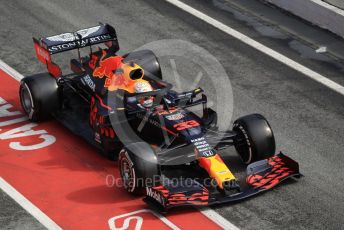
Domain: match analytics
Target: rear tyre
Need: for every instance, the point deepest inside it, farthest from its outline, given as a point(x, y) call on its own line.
point(147, 60)
point(255, 139)
point(136, 173)
point(39, 96)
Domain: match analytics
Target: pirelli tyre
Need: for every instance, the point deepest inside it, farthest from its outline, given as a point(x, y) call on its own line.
point(255, 139)
point(39, 96)
point(136, 171)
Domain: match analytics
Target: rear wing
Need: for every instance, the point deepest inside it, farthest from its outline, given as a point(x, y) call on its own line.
point(45, 47)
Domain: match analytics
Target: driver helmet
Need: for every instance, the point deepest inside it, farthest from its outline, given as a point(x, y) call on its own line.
point(143, 86)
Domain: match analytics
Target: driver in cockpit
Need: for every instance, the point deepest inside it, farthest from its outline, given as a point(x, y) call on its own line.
point(143, 86)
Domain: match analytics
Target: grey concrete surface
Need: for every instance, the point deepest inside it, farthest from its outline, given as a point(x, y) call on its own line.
point(12, 216)
point(337, 3)
point(307, 117)
point(315, 11)
point(296, 35)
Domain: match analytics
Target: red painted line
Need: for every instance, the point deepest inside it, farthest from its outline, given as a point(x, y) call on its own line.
point(67, 179)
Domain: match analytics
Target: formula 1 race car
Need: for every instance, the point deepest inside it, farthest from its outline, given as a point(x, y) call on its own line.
point(121, 105)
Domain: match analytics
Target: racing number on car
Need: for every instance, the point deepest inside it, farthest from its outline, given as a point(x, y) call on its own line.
point(186, 125)
point(141, 219)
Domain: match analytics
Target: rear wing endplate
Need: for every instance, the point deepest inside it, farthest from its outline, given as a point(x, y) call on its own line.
point(45, 47)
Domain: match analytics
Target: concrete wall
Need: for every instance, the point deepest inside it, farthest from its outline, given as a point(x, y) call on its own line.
point(316, 12)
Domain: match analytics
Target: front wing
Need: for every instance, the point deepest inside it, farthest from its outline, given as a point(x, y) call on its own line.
point(261, 176)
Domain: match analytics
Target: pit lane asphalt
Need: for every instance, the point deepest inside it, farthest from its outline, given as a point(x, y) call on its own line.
point(12, 216)
point(307, 117)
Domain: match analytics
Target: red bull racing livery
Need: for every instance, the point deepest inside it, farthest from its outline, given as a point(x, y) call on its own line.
point(121, 105)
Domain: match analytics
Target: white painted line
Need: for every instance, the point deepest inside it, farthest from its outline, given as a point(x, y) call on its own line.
point(139, 219)
point(10, 71)
point(12, 192)
point(28, 206)
point(329, 6)
point(266, 50)
point(218, 219)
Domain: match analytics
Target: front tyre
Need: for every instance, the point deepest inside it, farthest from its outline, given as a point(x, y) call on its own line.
point(128, 172)
point(255, 139)
point(136, 172)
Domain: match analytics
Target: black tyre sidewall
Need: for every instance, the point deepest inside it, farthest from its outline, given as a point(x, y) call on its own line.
point(147, 60)
point(245, 151)
point(44, 93)
point(29, 111)
point(259, 138)
point(144, 171)
point(124, 156)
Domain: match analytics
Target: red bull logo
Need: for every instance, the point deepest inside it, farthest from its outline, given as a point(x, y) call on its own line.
point(116, 72)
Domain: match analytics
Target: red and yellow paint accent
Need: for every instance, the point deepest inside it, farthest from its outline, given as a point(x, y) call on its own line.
point(113, 81)
point(43, 56)
point(270, 179)
point(198, 198)
point(216, 169)
point(96, 119)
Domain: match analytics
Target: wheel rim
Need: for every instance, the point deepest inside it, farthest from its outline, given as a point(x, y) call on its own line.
point(26, 99)
point(243, 145)
point(127, 174)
